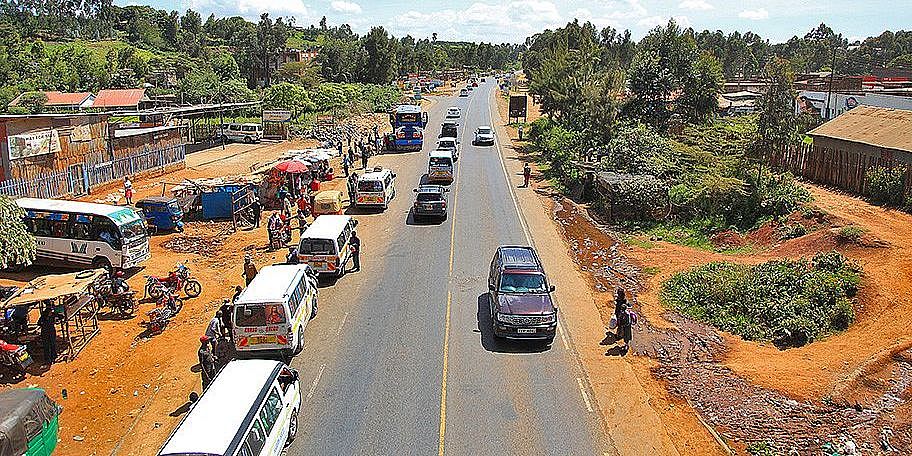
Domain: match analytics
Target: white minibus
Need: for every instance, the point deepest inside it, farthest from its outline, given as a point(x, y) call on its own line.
point(244, 132)
point(325, 246)
point(250, 409)
point(79, 234)
point(376, 188)
point(271, 313)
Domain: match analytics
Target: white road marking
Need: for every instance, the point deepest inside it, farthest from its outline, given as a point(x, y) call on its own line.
point(344, 317)
point(313, 387)
point(560, 330)
point(503, 166)
point(582, 389)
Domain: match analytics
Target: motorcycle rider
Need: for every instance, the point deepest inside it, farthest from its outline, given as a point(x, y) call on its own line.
point(118, 284)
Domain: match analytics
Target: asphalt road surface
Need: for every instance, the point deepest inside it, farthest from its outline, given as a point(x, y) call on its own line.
point(401, 358)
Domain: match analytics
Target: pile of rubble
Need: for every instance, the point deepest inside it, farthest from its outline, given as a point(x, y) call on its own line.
point(207, 239)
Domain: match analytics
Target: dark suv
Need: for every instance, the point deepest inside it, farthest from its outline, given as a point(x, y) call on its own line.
point(430, 201)
point(520, 295)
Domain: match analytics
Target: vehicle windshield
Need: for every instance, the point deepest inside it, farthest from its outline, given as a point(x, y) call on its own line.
point(446, 145)
point(133, 229)
point(522, 283)
point(259, 315)
point(441, 161)
point(407, 118)
point(427, 197)
point(370, 186)
point(316, 247)
point(484, 131)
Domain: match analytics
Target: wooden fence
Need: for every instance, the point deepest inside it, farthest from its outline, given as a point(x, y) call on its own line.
point(839, 168)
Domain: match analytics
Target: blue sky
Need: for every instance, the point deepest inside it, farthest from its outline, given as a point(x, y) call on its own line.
point(513, 20)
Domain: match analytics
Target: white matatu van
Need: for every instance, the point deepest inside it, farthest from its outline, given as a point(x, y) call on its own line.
point(75, 233)
point(250, 409)
point(325, 245)
point(271, 313)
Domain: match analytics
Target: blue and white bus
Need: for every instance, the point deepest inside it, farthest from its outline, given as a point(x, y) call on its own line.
point(408, 122)
point(74, 233)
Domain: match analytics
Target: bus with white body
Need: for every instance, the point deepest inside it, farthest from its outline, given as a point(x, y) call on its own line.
point(325, 245)
point(243, 132)
point(440, 167)
point(376, 188)
point(79, 234)
point(270, 315)
point(250, 409)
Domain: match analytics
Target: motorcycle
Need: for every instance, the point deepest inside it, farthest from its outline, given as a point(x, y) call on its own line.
point(166, 308)
point(116, 294)
point(176, 280)
point(15, 357)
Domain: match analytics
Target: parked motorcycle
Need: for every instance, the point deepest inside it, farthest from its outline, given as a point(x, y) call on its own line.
point(15, 357)
point(167, 307)
point(116, 294)
point(176, 280)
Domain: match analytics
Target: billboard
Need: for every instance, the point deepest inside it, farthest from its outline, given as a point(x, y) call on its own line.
point(518, 106)
point(34, 143)
point(276, 116)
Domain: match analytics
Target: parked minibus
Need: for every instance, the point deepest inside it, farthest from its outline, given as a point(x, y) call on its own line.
point(79, 234)
point(271, 313)
point(250, 409)
point(325, 246)
point(376, 188)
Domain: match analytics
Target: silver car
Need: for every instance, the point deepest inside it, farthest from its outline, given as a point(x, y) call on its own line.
point(484, 136)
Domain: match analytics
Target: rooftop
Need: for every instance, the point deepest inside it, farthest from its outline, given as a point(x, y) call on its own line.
point(55, 98)
point(119, 98)
point(879, 127)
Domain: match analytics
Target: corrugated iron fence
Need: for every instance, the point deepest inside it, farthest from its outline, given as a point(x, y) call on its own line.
point(81, 177)
point(839, 168)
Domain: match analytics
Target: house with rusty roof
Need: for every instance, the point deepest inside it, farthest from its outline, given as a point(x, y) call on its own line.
point(62, 101)
point(121, 100)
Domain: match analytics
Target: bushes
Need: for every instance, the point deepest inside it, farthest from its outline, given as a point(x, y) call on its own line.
point(636, 197)
point(789, 302)
point(558, 147)
point(885, 185)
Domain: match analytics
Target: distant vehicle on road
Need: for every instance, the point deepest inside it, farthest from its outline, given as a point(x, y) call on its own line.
point(440, 166)
point(271, 313)
point(251, 408)
point(449, 129)
point(453, 112)
point(520, 295)
point(324, 245)
point(450, 144)
point(376, 188)
point(484, 136)
point(74, 233)
point(243, 132)
point(430, 201)
point(463, 93)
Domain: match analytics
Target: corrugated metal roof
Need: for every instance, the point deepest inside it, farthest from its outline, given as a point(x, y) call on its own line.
point(881, 127)
point(117, 98)
point(56, 98)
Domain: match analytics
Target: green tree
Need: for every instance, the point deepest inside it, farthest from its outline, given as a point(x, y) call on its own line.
point(32, 102)
point(776, 126)
point(17, 246)
point(701, 87)
point(378, 66)
point(305, 74)
point(224, 66)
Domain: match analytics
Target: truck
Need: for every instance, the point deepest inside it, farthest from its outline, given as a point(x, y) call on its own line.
point(408, 122)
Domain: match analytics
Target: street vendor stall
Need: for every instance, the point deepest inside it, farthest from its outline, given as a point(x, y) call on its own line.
point(74, 304)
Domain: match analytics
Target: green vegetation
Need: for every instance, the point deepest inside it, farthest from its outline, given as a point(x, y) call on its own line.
point(788, 302)
point(884, 186)
point(851, 233)
point(17, 246)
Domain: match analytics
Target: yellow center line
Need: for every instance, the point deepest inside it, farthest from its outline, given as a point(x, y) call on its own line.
point(446, 330)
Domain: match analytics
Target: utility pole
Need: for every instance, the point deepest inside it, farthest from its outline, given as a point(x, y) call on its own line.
point(830, 88)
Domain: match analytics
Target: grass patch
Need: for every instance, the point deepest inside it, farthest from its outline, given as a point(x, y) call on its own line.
point(851, 233)
point(679, 234)
point(639, 241)
point(788, 302)
point(652, 270)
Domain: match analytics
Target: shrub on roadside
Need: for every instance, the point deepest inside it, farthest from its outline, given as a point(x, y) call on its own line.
point(788, 302)
point(885, 185)
point(851, 233)
point(558, 147)
point(636, 197)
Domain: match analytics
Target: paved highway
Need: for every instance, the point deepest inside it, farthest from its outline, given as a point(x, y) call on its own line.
point(401, 358)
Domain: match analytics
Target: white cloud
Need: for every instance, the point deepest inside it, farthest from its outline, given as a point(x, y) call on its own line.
point(651, 22)
point(499, 22)
point(695, 5)
point(346, 7)
point(253, 8)
point(754, 15)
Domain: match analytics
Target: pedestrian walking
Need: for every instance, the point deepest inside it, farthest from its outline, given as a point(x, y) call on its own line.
point(227, 309)
point(214, 328)
point(527, 173)
point(302, 222)
point(250, 269)
point(345, 164)
point(351, 185)
point(314, 185)
point(206, 362)
point(364, 155)
point(355, 243)
point(351, 153)
point(48, 324)
point(520, 132)
point(257, 211)
point(292, 256)
point(272, 228)
point(128, 190)
point(623, 318)
point(237, 292)
point(340, 148)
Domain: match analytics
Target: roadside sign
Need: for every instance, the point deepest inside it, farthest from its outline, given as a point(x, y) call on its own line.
point(276, 116)
point(518, 105)
point(326, 119)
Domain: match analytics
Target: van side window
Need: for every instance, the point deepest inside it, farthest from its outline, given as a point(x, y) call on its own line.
point(296, 297)
point(271, 410)
point(341, 241)
point(256, 438)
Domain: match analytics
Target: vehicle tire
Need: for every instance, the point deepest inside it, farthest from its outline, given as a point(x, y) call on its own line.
point(154, 291)
point(247, 140)
point(101, 263)
point(313, 312)
point(178, 305)
point(193, 288)
point(292, 427)
point(300, 345)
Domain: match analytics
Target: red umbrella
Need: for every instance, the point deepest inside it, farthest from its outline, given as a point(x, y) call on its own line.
point(293, 167)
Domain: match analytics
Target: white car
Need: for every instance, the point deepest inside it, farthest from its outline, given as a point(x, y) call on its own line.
point(484, 135)
point(450, 144)
point(453, 112)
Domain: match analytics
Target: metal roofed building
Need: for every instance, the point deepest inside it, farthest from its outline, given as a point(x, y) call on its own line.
point(62, 101)
point(874, 132)
point(120, 99)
